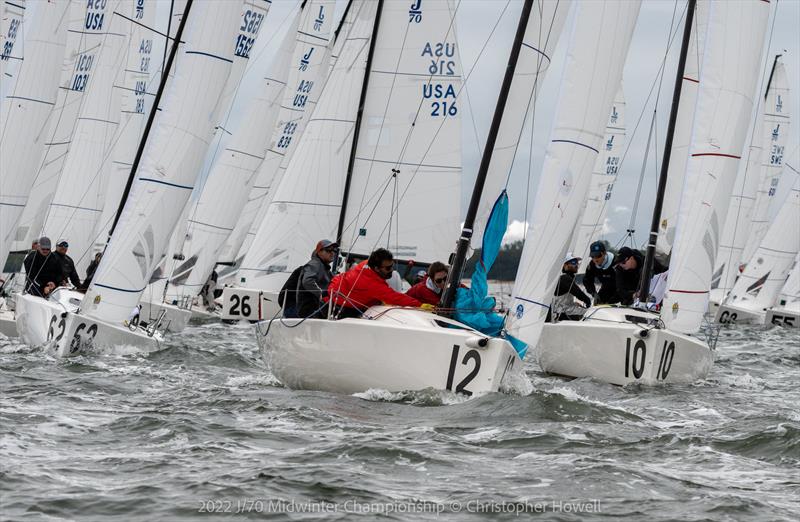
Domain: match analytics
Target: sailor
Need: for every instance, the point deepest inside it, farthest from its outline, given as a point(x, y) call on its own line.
point(69, 265)
point(43, 269)
point(91, 269)
point(316, 277)
point(564, 306)
point(365, 285)
point(429, 289)
point(601, 269)
point(629, 264)
point(207, 292)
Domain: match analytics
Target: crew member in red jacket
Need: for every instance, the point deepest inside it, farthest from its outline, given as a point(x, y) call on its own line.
point(429, 290)
point(365, 285)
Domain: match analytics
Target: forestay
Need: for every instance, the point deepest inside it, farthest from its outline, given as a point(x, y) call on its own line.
point(766, 272)
point(26, 110)
point(542, 33)
point(305, 206)
point(88, 29)
point(683, 129)
point(775, 137)
point(170, 163)
point(80, 194)
point(604, 176)
point(405, 191)
point(592, 75)
point(307, 70)
point(733, 49)
point(764, 163)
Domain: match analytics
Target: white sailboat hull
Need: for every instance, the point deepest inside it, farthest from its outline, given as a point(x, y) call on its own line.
point(59, 328)
point(738, 314)
point(605, 347)
point(8, 320)
point(175, 318)
point(399, 350)
point(788, 316)
point(248, 304)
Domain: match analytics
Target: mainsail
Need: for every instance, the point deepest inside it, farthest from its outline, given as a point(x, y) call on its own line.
point(733, 50)
point(26, 111)
point(604, 176)
point(170, 163)
point(683, 129)
point(11, 43)
point(592, 75)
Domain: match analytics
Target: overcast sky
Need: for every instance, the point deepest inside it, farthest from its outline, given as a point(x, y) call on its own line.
point(476, 18)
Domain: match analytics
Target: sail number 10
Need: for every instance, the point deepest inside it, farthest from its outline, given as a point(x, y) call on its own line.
point(635, 359)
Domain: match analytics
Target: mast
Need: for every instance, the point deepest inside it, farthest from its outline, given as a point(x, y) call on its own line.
point(357, 128)
point(342, 19)
point(647, 270)
point(152, 116)
point(454, 277)
point(771, 74)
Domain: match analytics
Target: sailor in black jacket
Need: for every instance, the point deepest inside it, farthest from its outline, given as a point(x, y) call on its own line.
point(68, 264)
point(601, 270)
point(43, 270)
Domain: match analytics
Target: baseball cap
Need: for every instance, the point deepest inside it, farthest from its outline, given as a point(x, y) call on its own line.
point(597, 248)
point(325, 243)
point(44, 242)
point(62, 243)
point(569, 257)
point(622, 255)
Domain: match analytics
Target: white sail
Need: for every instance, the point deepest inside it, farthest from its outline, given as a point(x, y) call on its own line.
point(542, 33)
point(683, 129)
point(26, 110)
point(733, 50)
point(592, 75)
point(764, 164)
point(408, 155)
point(136, 97)
point(170, 164)
point(238, 168)
point(11, 43)
point(305, 206)
point(789, 295)
point(766, 272)
point(604, 176)
point(80, 191)
point(776, 135)
point(309, 63)
point(88, 29)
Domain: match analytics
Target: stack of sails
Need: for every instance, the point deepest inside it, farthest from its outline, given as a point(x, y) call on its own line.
point(88, 29)
point(245, 157)
point(733, 48)
point(27, 109)
point(171, 161)
point(592, 75)
point(80, 191)
point(753, 191)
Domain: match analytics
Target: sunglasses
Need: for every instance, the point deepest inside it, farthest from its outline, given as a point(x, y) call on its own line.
point(385, 268)
point(330, 249)
point(440, 280)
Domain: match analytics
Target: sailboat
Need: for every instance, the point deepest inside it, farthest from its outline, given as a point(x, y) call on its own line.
point(623, 345)
point(402, 348)
point(786, 311)
point(755, 188)
point(166, 165)
point(767, 271)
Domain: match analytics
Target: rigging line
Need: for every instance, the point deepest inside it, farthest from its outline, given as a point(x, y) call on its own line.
point(760, 100)
point(458, 94)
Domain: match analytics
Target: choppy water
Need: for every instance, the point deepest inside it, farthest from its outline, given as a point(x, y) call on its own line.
point(201, 430)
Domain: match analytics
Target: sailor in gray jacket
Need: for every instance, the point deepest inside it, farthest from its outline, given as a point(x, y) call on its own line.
point(315, 279)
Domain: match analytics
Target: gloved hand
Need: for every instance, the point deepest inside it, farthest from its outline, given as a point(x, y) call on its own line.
point(428, 307)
